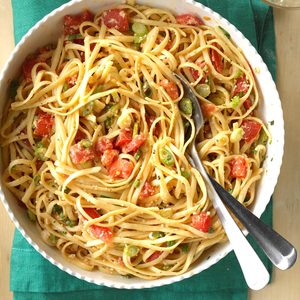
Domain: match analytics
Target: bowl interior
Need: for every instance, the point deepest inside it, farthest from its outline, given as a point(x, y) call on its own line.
point(47, 31)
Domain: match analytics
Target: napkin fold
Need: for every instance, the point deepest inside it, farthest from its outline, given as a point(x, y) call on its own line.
point(34, 278)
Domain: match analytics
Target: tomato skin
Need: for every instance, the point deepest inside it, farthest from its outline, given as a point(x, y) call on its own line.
point(241, 87)
point(44, 124)
point(103, 233)
point(72, 23)
point(170, 87)
point(153, 256)
point(28, 65)
point(208, 109)
point(80, 155)
point(147, 191)
point(189, 19)
point(248, 103)
point(79, 136)
point(238, 167)
point(202, 221)
point(121, 168)
point(216, 59)
point(103, 144)
point(124, 137)
point(108, 157)
point(195, 74)
point(251, 130)
point(135, 144)
point(116, 18)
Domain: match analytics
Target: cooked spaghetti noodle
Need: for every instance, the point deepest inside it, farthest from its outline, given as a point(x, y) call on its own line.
point(94, 139)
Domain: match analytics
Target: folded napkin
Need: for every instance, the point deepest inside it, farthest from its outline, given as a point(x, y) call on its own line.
point(34, 278)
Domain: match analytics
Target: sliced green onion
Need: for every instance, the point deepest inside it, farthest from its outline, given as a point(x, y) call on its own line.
point(236, 135)
point(147, 91)
point(185, 248)
point(156, 235)
point(57, 209)
point(65, 87)
point(131, 250)
point(138, 38)
point(226, 33)
point(203, 89)
point(53, 239)
point(138, 154)
point(263, 138)
point(36, 179)
point(170, 243)
point(40, 151)
point(211, 230)
point(114, 108)
point(87, 109)
point(136, 47)
point(238, 73)
point(185, 174)
point(115, 95)
point(13, 88)
point(74, 36)
point(235, 101)
point(136, 183)
point(108, 123)
point(86, 144)
point(186, 106)
point(135, 129)
point(166, 157)
point(31, 215)
point(139, 28)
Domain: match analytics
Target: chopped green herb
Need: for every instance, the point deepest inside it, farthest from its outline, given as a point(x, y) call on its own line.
point(138, 154)
point(272, 122)
point(131, 250)
point(36, 179)
point(230, 191)
point(40, 151)
point(135, 129)
point(226, 33)
point(238, 74)
point(86, 144)
point(53, 239)
point(146, 89)
point(263, 138)
point(186, 106)
point(57, 209)
point(114, 108)
point(166, 157)
point(65, 87)
point(70, 223)
point(166, 267)
point(74, 36)
point(235, 101)
point(170, 243)
point(185, 248)
point(185, 174)
point(156, 235)
point(211, 230)
point(108, 123)
point(203, 89)
point(31, 215)
point(136, 183)
point(87, 109)
point(13, 88)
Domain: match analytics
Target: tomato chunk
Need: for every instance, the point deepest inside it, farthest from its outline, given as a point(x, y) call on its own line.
point(80, 155)
point(202, 221)
point(189, 19)
point(150, 119)
point(153, 256)
point(170, 87)
point(109, 156)
point(135, 144)
point(103, 144)
point(79, 136)
point(28, 65)
point(238, 167)
point(72, 23)
point(216, 59)
point(44, 124)
point(251, 130)
point(208, 109)
point(121, 168)
point(241, 86)
point(116, 18)
point(124, 137)
point(147, 191)
point(103, 233)
point(195, 73)
point(248, 103)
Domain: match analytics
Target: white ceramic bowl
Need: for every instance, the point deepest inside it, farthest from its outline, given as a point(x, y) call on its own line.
point(48, 30)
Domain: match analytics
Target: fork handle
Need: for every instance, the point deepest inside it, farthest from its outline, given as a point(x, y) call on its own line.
point(281, 253)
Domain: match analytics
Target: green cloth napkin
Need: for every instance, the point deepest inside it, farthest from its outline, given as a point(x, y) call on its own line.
point(33, 277)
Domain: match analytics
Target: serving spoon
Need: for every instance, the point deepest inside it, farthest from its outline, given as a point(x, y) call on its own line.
point(255, 273)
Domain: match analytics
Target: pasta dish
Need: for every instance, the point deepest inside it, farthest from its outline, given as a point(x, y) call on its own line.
point(94, 138)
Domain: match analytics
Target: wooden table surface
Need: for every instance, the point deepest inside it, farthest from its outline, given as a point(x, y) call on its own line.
point(286, 284)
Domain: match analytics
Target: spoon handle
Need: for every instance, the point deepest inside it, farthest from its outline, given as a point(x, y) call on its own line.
point(253, 269)
point(281, 253)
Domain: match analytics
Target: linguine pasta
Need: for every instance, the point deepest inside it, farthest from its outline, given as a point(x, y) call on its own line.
point(95, 138)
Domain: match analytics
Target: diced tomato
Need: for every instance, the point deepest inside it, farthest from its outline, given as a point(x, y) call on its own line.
point(251, 130)
point(153, 256)
point(189, 19)
point(103, 144)
point(147, 191)
point(241, 86)
point(238, 167)
point(80, 155)
point(124, 137)
point(72, 23)
point(150, 119)
point(195, 73)
point(121, 168)
point(103, 233)
point(79, 136)
point(71, 81)
point(135, 144)
point(109, 156)
point(28, 65)
point(44, 124)
point(170, 87)
point(116, 18)
point(208, 109)
point(216, 59)
point(168, 46)
point(202, 221)
point(248, 103)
